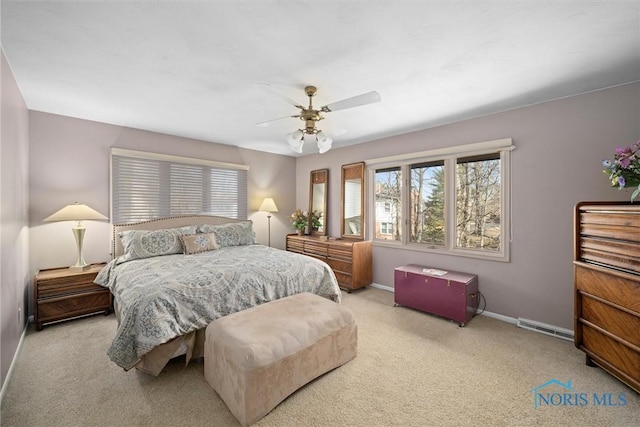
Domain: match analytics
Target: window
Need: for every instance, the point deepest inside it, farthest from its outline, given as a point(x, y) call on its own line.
point(386, 228)
point(450, 200)
point(388, 187)
point(426, 199)
point(478, 210)
point(146, 186)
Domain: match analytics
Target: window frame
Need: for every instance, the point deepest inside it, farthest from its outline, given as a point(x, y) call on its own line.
point(165, 162)
point(449, 155)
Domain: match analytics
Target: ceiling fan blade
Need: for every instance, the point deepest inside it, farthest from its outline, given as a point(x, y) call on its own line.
point(268, 122)
point(271, 89)
point(356, 101)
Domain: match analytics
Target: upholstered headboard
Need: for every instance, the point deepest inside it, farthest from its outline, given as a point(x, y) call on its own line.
point(168, 222)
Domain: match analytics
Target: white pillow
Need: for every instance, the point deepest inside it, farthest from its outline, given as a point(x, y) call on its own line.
point(231, 234)
point(139, 244)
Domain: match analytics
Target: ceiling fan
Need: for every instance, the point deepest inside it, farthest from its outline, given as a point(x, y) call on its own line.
point(311, 115)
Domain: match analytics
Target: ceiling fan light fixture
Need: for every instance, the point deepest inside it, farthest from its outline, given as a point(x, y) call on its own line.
point(324, 142)
point(295, 140)
point(311, 115)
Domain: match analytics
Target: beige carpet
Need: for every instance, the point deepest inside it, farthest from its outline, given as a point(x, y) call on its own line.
point(412, 369)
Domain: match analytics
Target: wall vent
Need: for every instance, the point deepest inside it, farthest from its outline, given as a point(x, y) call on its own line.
point(543, 328)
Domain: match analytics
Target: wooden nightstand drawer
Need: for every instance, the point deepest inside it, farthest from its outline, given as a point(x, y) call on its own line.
point(60, 294)
point(50, 290)
point(50, 309)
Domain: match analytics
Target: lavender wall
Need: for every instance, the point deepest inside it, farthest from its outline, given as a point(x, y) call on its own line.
point(14, 231)
point(559, 147)
point(69, 162)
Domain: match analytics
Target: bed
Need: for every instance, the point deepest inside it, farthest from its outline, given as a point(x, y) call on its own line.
point(171, 277)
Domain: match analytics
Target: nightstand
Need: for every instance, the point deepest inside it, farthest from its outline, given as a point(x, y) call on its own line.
point(60, 294)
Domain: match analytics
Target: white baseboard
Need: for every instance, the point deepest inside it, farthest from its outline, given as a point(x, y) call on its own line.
point(501, 317)
point(539, 327)
point(383, 287)
point(5, 384)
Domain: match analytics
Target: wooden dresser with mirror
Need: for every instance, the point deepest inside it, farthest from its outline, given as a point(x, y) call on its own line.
point(349, 257)
point(607, 287)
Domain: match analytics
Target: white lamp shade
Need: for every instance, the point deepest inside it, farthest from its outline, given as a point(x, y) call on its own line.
point(268, 205)
point(324, 142)
point(76, 212)
point(295, 140)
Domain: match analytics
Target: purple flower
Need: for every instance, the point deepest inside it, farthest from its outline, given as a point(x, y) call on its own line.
point(621, 181)
point(624, 157)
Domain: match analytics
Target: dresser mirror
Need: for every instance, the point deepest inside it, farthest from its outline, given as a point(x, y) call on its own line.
point(352, 209)
point(318, 201)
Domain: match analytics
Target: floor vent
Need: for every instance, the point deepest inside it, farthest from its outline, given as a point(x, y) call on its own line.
point(543, 328)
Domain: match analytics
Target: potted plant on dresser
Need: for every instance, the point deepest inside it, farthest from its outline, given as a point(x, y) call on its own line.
point(299, 221)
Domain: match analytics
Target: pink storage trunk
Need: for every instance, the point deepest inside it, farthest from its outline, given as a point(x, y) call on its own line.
point(449, 294)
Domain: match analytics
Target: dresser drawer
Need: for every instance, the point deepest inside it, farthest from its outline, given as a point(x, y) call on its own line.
point(611, 319)
point(317, 249)
point(339, 266)
point(344, 279)
point(339, 251)
point(294, 245)
point(619, 289)
point(618, 355)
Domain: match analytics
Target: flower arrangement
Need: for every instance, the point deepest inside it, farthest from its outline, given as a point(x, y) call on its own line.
point(299, 219)
point(314, 219)
point(624, 170)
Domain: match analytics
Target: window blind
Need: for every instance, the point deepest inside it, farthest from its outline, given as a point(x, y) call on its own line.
point(144, 187)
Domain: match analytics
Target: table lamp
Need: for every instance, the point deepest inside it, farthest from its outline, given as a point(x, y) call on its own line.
point(77, 212)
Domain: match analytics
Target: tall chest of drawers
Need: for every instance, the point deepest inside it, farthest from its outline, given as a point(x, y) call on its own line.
point(607, 287)
point(349, 260)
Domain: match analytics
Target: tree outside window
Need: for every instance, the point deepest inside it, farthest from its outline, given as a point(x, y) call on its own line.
point(454, 204)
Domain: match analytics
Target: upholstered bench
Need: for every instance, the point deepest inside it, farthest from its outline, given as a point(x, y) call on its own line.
point(257, 357)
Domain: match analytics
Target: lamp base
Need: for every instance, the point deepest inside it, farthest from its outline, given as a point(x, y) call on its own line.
point(79, 268)
point(80, 265)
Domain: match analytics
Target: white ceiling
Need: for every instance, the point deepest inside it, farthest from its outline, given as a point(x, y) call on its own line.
point(189, 68)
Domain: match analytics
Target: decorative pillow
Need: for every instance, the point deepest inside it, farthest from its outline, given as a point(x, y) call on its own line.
point(196, 243)
point(138, 244)
point(232, 234)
